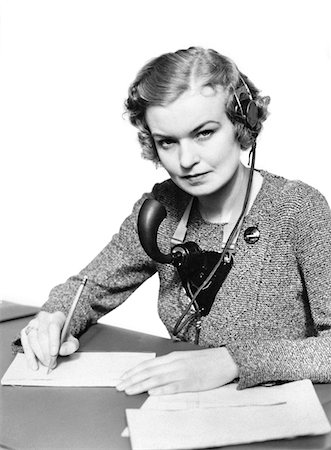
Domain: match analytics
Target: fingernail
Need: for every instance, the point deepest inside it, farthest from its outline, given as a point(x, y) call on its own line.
point(53, 351)
point(53, 365)
point(120, 387)
point(34, 365)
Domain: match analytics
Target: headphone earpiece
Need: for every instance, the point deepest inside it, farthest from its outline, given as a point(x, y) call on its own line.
point(246, 110)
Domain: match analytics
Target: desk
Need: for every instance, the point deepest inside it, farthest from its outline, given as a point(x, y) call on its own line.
point(93, 418)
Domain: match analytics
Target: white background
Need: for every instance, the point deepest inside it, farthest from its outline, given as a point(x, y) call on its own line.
point(70, 163)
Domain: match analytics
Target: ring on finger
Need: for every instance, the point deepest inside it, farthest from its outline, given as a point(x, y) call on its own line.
point(29, 328)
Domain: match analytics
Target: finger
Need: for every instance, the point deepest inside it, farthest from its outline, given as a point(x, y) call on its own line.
point(30, 356)
point(35, 346)
point(41, 324)
point(149, 378)
point(149, 364)
point(34, 323)
point(43, 341)
point(70, 346)
point(52, 363)
point(54, 333)
point(138, 375)
point(167, 389)
point(151, 383)
point(51, 325)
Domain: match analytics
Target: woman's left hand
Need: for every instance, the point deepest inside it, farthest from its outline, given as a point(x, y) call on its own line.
point(185, 371)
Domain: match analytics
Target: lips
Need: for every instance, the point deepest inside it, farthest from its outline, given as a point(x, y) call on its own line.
point(195, 176)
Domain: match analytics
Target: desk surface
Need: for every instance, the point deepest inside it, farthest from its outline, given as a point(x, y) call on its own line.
point(93, 418)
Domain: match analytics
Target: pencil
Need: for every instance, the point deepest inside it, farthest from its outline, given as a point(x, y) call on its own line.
point(67, 322)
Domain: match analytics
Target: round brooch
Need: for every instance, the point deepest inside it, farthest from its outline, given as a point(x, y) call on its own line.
point(252, 235)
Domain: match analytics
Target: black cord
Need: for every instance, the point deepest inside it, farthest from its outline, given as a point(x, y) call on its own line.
point(180, 324)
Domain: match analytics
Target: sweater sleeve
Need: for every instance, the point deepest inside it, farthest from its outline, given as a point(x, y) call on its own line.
point(272, 360)
point(120, 268)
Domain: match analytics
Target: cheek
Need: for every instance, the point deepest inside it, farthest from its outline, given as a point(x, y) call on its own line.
point(166, 161)
point(225, 155)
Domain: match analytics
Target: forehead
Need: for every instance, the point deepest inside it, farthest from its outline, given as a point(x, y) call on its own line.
point(188, 111)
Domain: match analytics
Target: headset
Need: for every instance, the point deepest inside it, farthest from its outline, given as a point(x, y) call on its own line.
point(245, 110)
point(202, 273)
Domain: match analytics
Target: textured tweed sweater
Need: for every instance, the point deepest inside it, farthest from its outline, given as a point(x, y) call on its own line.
point(273, 312)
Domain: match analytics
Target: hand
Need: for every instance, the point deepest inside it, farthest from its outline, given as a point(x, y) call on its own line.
point(186, 371)
point(41, 339)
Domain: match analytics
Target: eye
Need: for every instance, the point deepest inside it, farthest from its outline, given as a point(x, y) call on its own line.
point(165, 143)
point(204, 134)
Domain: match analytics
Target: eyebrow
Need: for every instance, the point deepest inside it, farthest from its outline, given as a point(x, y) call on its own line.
point(193, 131)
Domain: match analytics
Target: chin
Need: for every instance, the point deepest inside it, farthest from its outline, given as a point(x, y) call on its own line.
point(199, 190)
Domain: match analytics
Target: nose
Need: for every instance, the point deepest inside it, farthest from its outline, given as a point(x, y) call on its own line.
point(188, 156)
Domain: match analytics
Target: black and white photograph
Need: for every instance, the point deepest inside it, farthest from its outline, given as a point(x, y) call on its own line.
point(165, 237)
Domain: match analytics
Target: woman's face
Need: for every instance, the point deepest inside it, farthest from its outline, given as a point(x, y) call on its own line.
point(195, 140)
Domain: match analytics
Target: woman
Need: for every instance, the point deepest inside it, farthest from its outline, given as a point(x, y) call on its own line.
point(267, 239)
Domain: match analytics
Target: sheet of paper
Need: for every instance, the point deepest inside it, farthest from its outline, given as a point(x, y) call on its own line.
point(88, 369)
point(223, 396)
point(200, 427)
point(227, 395)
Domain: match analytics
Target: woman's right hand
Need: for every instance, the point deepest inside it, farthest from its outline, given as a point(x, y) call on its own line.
point(41, 339)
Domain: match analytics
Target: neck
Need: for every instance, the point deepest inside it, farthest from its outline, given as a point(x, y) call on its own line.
point(217, 207)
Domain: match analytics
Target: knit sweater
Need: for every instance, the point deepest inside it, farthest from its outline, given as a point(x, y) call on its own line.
point(273, 312)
